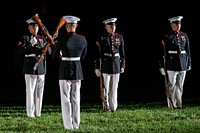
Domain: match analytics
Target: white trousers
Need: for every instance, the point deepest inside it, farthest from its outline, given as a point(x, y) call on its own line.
point(176, 81)
point(34, 94)
point(110, 85)
point(70, 103)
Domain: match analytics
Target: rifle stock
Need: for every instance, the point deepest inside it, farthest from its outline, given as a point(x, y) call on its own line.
point(102, 95)
point(167, 89)
point(167, 93)
point(102, 92)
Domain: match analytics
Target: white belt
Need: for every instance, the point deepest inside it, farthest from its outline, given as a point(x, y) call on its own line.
point(30, 55)
point(175, 52)
point(70, 58)
point(107, 54)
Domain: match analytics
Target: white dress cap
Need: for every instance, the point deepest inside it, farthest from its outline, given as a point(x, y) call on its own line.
point(110, 20)
point(175, 19)
point(71, 19)
point(30, 21)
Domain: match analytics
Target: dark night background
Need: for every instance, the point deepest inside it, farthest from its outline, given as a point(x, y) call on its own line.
point(141, 23)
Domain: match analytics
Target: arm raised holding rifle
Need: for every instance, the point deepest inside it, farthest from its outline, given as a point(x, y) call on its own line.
point(46, 33)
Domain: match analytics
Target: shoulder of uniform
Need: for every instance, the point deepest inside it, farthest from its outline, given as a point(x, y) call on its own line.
point(170, 32)
point(118, 34)
point(80, 35)
point(24, 36)
point(182, 32)
point(103, 35)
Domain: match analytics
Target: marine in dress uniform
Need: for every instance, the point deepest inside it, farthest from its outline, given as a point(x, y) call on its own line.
point(31, 46)
point(72, 49)
point(110, 62)
point(176, 58)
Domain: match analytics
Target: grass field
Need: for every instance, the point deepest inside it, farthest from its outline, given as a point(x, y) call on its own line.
point(135, 117)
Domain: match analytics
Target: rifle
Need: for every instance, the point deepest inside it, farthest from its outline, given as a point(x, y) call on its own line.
point(167, 89)
point(102, 92)
point(51, 39)
point(43, 28)
point(60, 24)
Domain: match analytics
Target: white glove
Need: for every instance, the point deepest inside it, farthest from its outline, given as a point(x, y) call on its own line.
point(162, 71)
point(98, 72)
point(122, 70)
point(60, 52)
point(189, 68)
point(33, 41)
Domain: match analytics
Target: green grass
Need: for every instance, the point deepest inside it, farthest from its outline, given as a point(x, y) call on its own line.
point(138, 117)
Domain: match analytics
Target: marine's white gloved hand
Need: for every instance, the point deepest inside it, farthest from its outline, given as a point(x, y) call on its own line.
point(189, 68)
point(162, 71)
point(98, 72)
point(122, 70)
point(33, 41)
point(60, 52)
